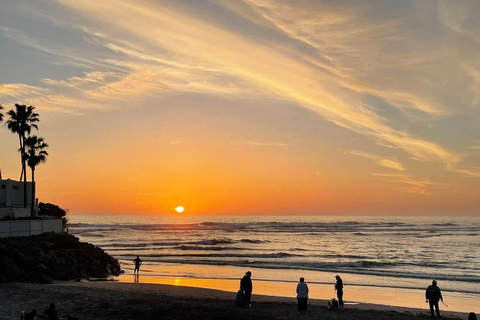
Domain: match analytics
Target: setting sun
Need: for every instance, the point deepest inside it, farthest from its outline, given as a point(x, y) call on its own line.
point(179, 209)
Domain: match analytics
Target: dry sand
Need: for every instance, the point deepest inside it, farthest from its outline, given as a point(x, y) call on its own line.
point(114, 300)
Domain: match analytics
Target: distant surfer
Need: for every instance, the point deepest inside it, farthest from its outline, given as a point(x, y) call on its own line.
point(339, 288)
point(433, 294)
point(138, 263)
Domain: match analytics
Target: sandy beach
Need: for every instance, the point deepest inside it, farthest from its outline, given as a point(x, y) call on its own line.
point(116, 300)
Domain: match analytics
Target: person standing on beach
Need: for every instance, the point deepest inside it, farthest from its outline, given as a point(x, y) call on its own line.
point(138, 263)
point(302, 295)
point(433, 294)
point(246, 285)
point(339, 288)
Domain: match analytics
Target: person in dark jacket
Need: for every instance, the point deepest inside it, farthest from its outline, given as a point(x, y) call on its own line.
point(339, 288)
point(51, 312)
point(433, 295)
point(246, 285)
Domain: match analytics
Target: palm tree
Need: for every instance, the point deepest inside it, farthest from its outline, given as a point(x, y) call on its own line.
point(1, 114)
point(34, 155)
point(21, 121)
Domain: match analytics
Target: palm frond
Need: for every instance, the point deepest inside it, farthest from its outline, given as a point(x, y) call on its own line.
point(35, 151)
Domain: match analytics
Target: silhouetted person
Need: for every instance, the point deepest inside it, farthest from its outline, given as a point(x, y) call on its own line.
point(246, 285)
point(339, 288)
point(302, 295)
point(472, 316)
point(138, 263)
point(51, 312)
point(433, 294)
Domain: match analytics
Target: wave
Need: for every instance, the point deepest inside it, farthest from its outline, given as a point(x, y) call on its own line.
point(349, 268)
point(212, 242)
point(146, 256)
point(126, 245)
point(254, 241)
point(367, 246)
point(355, 227)
point(94, 235)
point(184, 247)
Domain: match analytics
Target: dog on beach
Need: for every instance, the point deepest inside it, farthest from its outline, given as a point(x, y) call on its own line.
point(333, 305)
point(28, 315)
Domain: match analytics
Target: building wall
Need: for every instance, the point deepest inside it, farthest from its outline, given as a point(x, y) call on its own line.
point(11, 193)
point(11, 199)
point(14, 212)
point(27, 228)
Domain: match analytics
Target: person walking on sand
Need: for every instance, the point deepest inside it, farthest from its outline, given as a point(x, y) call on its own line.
point(138, 263)
point(339, 288)
point(302, 295)
point(246, 285)
point(432, 295)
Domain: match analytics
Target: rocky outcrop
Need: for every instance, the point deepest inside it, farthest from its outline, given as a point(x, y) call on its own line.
point(53, 256)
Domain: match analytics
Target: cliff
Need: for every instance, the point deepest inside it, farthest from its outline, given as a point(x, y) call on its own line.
point(53, 256)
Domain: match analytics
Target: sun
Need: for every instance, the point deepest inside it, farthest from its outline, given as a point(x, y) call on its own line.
point(179, 209)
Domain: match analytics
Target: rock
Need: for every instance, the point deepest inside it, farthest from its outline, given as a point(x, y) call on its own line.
point(51, 256)
point(8, 267)
point(42, 269)
point(24, 261)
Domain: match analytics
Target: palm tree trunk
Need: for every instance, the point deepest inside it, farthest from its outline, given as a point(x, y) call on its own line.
point(24, 168)
point(21, 155)
point(32, 212)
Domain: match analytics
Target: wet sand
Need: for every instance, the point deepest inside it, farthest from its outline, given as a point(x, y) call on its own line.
point(116, 300)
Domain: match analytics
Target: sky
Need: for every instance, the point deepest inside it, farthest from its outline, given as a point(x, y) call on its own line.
point(248, 107)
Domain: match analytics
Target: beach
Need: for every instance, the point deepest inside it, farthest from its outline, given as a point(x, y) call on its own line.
point(117, 300)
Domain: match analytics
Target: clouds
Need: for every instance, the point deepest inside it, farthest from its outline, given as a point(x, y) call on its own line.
point(331, 58)
point(409, 185)
point(388, 163)
point(9, 91)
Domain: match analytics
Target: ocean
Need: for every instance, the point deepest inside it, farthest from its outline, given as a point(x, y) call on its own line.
point(397, 256)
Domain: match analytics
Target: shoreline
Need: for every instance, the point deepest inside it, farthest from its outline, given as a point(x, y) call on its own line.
point(353, 294)
point(121, 300)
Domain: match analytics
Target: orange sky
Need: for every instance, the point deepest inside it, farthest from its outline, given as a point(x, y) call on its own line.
point(248, 107)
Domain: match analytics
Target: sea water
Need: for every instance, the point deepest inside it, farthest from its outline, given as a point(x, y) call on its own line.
point(395, 257)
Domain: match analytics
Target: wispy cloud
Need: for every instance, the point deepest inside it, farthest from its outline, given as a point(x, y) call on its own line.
point(388, 163)
point(17, 90)
point(413, 186)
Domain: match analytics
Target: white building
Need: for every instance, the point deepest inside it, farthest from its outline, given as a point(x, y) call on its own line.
point(12, 199)
point(11, 206)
